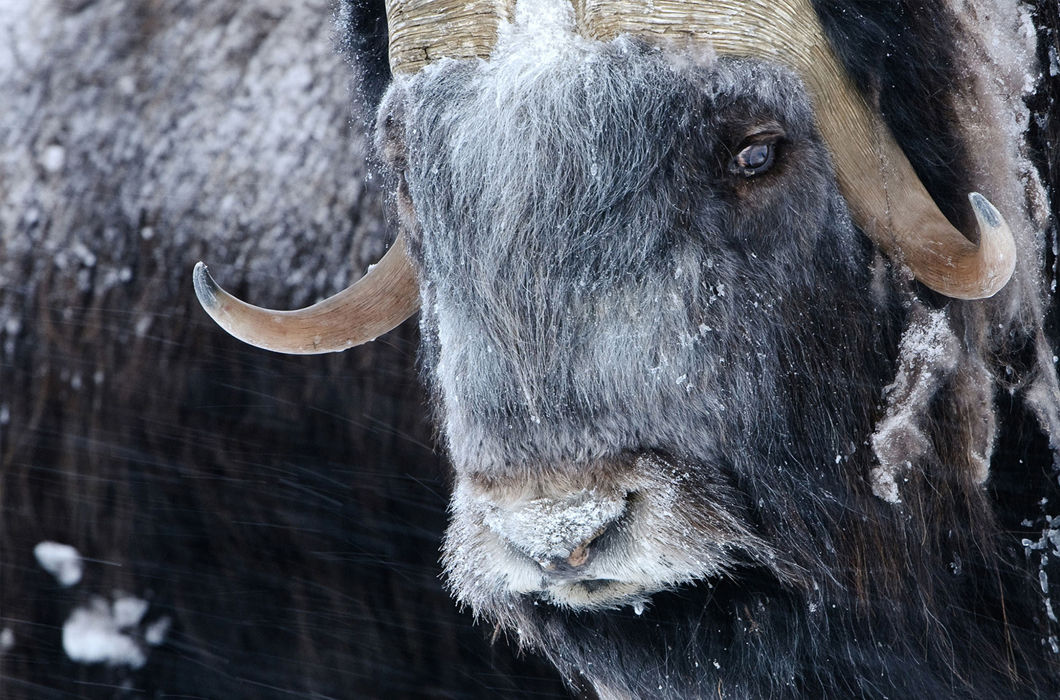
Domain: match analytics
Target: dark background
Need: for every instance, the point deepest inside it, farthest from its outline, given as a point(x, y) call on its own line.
point(284, 512)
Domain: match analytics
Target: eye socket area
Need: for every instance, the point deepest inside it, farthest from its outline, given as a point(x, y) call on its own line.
point(757, 153)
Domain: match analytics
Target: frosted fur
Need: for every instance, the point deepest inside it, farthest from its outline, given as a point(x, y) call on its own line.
point(684, 523)
point(548, 528)
point(623, 292)
point(606, 312)
point(928, 357)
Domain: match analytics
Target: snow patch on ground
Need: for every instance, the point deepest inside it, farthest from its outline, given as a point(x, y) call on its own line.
point(61, 561)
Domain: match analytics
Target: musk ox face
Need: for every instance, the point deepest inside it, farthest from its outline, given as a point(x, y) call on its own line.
point(629, 260)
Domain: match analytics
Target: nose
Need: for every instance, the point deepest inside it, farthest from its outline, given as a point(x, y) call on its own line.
point(560, 534)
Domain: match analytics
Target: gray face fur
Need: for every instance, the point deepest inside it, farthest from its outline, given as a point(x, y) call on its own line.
point(612, 318)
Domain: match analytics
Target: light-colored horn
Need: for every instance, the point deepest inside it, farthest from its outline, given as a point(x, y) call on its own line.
point(423, 31)
point(387, 295)
point(886, 197)
point(420, 32)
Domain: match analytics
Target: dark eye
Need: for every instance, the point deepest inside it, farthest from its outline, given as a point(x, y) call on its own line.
point(754, 159)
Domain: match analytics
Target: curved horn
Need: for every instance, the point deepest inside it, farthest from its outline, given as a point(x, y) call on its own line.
point(388, 294)
point(886, 197)
point(379, 301)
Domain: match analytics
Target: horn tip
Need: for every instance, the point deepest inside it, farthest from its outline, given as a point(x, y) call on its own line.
point(987, 212)
point(206, 290)
point(996, 244)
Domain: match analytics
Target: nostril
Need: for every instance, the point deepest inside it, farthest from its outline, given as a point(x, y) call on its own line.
point(580, 555)
point(561, 535)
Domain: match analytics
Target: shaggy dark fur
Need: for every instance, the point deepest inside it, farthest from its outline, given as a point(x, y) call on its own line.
point(606, 304)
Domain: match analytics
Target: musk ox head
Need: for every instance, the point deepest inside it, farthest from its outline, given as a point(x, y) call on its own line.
point(656, 337)
point(612, 242)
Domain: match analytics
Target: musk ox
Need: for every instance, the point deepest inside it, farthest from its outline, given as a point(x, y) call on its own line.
point(720, 382)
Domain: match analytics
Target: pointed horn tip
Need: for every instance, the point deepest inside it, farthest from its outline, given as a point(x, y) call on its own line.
point(995, 241)
point(986, 212)
point(206, 290)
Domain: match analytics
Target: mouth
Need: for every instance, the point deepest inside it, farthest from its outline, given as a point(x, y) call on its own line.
point(595, 594)
point(596, 584)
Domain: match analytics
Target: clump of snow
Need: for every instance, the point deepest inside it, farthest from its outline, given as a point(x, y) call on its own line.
point(92, 635)
point(884, 484)
point(111, 634)
point(61, 561)
point(542, 32)
point(545, 15)
point(128, 611)
point(156, 632)
point(927, 354)
point(7, 640)
point(1046, 546)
